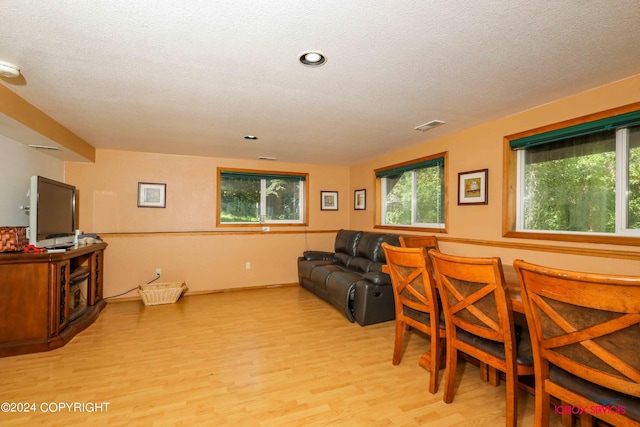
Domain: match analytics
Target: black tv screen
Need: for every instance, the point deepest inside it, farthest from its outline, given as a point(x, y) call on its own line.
point(56, 209)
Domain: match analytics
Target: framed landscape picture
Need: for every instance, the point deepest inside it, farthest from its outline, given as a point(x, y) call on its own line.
point(329, 200)
point(473, 187)
point(152, 195)
point(360, 200)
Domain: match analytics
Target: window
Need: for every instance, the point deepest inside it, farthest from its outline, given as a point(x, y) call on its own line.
point(582, 179)
point(254, 197)
point(412, 194)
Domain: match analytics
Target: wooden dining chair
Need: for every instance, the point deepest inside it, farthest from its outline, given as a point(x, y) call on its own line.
point(585, 330)
point(479, 322)
point(428, 242)
point(416, 305)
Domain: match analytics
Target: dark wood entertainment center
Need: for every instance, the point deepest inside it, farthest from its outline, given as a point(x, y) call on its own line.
point(42, 303)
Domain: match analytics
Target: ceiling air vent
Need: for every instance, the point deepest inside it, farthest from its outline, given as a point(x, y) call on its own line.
point(44, 147)
point(429, 125)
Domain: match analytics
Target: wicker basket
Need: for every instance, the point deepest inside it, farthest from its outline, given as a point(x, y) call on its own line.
point(13, 239)
point(161, 293)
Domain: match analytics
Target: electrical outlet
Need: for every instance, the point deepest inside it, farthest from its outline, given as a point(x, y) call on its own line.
point(248, 265)
point(158, 272)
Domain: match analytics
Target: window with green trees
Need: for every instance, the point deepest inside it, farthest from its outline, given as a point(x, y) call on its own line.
point(581, 179)
point(413, 193)
point(254, 197)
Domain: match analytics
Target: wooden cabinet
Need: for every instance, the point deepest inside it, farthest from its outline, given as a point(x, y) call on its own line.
point(46, 299)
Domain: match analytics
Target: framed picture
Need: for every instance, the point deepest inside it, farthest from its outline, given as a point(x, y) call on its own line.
point(152, 195)
point(473, 187)
point(360, 200)
point(329, 200)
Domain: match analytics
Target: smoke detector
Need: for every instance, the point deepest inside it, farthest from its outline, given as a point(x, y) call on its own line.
point(429, 125)
point(9, 70)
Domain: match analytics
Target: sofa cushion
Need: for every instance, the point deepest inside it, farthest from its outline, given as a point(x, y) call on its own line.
point(347, 241)
point(306, 266)
point(320, 273)
point(360, 264)
point(369, 245)
point(342, 258)
point(391, 239)
point(376, 267)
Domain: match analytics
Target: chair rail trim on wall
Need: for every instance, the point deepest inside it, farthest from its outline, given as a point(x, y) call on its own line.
point(572, 250)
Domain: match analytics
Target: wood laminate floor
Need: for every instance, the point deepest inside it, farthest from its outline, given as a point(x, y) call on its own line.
point(270, 357)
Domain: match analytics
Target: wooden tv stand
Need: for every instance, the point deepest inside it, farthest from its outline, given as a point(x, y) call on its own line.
point(35, 297)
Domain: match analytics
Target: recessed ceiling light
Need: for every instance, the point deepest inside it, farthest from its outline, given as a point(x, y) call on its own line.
point(429, 125)
point(312, 58)
point(251, 137)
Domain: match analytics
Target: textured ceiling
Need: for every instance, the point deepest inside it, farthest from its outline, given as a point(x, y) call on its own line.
point(193, 77)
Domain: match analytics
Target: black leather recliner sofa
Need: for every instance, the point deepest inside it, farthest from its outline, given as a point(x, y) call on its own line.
point(351, 278)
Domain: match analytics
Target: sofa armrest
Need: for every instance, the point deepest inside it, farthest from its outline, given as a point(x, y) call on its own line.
point(318, 256)
point(377, 278)
point(373, 303)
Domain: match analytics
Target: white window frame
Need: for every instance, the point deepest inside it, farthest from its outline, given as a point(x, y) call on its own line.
point(622, 194)
point(381, 184)
point(302, 190)
point(414, 204)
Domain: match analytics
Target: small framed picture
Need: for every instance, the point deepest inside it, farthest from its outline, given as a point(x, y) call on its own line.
point(473, 187)
point(152, 195)
point(329, 200)
point(360, 200)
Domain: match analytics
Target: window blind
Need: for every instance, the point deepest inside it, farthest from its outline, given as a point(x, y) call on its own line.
point(262, 175)
point(397, 171)
point(609, 123)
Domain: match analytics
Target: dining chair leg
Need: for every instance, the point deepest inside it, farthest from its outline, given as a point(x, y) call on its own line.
point(494, 376)
point(484, 372)
point(397, 345)
point(566, 418)
point(586, 420)
point(436, 349)
point(450, 374)
point(512, 399)
point(542, 407)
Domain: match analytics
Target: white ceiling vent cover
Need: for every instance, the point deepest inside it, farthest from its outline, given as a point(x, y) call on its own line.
point(429, 125)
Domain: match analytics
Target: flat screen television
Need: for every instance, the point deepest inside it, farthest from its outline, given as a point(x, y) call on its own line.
point(52, 214)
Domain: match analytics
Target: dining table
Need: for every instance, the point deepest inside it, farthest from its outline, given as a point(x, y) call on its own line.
point(513, 286)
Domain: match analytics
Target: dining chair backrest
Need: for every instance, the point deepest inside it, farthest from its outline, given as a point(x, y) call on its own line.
point(474, 295)
point(410, 278)
point(427, 242)
point(588, 326)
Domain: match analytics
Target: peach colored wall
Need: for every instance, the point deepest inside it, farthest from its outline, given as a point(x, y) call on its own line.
point(184, 241)
point(482, 147)
point(207, 262)
point(108, 191)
